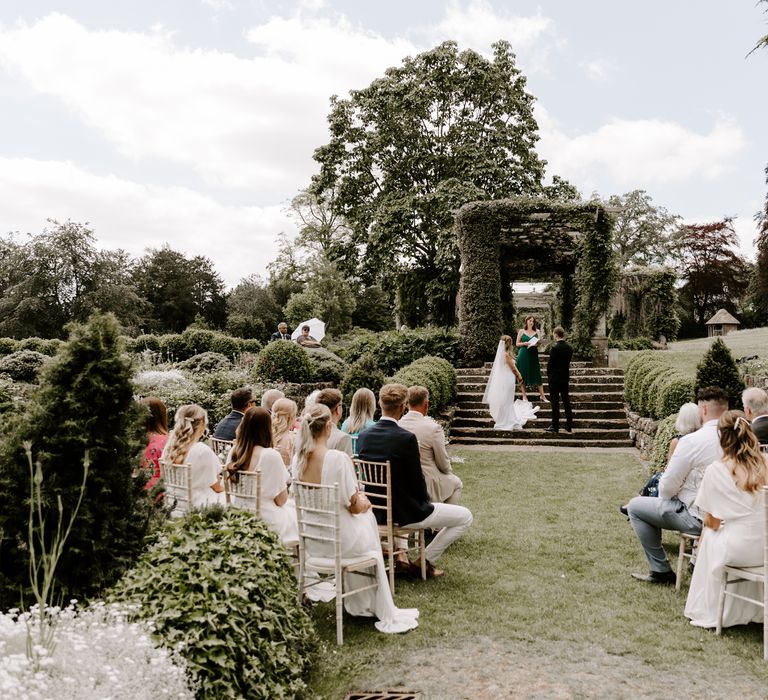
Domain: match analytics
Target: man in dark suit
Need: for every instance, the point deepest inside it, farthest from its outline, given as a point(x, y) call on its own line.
point(558, 378)
point(282, 332)
point(242, 400)
point(756, 410)
point(411, 506)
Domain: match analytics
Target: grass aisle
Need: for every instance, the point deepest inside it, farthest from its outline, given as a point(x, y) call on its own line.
point(537, 600)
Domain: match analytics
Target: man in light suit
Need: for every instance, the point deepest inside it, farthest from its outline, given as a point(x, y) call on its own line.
point(442, 484)
point(756, 409)
point(338, 440)
point(411, 505)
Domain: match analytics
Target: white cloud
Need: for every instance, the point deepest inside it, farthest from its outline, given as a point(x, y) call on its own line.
point(125, 214)
point(638, 153)
point(218, 5)
point(598, 70)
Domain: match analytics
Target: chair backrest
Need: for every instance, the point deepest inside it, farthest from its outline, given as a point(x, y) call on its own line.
point(764, 446)
point(177, 479)
point(245, 492)
point(221, 448)
point(318, 513)
point(375, 478)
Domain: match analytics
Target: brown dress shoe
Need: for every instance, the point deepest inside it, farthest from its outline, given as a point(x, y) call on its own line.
point(432, 572)
point(407, 568)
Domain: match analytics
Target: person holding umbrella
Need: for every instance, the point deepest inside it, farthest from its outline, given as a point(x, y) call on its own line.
point(306, 340)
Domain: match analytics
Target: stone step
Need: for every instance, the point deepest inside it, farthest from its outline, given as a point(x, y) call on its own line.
point(559, 440)
point(480, 410)
point(575, 372)
point(578, 422)
point(616, 397)
point(575, 388)
point(598, 406)
point(576, 379)
point(540, 433)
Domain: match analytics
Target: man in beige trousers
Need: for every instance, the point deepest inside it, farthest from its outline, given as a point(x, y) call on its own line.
point(443, 485)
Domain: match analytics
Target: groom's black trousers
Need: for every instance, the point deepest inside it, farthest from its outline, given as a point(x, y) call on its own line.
point(558, 391)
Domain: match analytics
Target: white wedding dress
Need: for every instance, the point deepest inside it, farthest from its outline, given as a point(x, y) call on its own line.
point(508, 413)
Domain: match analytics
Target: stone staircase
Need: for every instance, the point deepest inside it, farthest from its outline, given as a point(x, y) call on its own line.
point(597, 397)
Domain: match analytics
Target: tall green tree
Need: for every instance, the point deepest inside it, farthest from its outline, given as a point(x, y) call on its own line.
point(444, 128)
point(252, 311)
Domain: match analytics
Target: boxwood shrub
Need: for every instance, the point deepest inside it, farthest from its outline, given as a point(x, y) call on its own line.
point(664, 434)
point(283, 361)
point(327, 366)
point(23, 365)
point(434, 373)
point(250, 345)
point(676, 390)
point(206, 362)
point(653, 388)
point(645, 396)
point(147, 341)
point(8, 345)
point(46, 346)
point(364, 373)
point(219, 588)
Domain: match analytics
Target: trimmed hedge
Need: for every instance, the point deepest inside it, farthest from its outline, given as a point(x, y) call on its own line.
point(434, 373)
point(676, 391)
point(23, 365)
point(8, 345)
point(206, 362)
point(631, 344)
point(326, 366)
point(653, 388)
point(283, 361)
point(664, 433)
point(218, 586)
point(362, 374)
point(45, 346)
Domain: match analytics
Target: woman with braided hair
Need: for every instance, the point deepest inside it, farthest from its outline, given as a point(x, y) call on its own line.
point(732, 535)
point(184, 447)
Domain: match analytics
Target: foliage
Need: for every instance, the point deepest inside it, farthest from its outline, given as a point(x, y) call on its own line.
point(98, 654)
point(718, 368)
point(647, 303)
point(23, 365)
point(147, 341)
point(676, 390)
point(252, 311)
point(283, 361)
point(251, 345)
point(444, 128)
point(218, 587)
point(46, 346)
point(652, 387)
point(174, 347)
point(643, 234)
point(363, 373)
point(206, 362)
point(326, 366)
point(759, 286)
point(665, 431)
point(631, 344)
point(7, 395)
point(85, 402)
point(373, 309)
point(8, 345)
point(434, 373)
point(481, 230)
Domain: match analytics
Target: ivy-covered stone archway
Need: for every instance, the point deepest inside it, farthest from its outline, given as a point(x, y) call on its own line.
point(564, 242)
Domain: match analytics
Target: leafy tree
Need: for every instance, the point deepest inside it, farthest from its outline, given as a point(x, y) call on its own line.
point(286, 272)
point(373, 310)
point(718, 368)
point(561, 190)
point(442, 129)
point(714, 274)
point(759, 289)
point(252, 311)
point(85, 403)
point(178, 288)
point(643, 234)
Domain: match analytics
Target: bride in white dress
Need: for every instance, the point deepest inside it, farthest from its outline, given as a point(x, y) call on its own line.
point(359, 533)
point(508, 412)
point(729, 494)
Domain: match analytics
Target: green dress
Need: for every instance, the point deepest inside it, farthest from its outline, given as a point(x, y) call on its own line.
point(528, 363)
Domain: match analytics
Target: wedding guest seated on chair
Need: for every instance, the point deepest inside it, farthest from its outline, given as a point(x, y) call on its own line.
point(157, 436)
point(283, 420)
point(269, 397)
point(338, 440)
point(242, 399)
point(282, 332)
point(411, 505)
point(306, 340)
point(443, 485)
point(360, 415)
point(756, 409)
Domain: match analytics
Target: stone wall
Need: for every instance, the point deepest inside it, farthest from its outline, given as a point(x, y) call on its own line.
point(760, 381)
point(642, 431)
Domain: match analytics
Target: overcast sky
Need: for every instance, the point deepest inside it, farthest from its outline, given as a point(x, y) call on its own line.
point(193, 122)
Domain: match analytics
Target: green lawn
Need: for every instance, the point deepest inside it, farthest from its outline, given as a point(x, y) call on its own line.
point(686, 354)
point(543, 581)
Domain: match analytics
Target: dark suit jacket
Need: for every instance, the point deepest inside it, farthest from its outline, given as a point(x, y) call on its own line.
point(559, 363)
point(386, 440)
point(226, 427)
point(279, 336)
point(760, 426)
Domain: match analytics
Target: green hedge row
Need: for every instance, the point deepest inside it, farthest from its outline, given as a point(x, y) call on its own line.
point(665, 431)
point(193, 341)
point(434, 373)
point(655, 389)
point(631, 344)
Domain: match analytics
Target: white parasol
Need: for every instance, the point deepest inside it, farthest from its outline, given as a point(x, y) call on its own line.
point(316, 329)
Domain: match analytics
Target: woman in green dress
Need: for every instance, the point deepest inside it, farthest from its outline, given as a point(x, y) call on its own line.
point(528, 356)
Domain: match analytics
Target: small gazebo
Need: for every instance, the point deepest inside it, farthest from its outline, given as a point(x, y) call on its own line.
point(722, 323)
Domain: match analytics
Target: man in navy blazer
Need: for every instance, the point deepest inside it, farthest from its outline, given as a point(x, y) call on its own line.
point(242, 400)
point(411, 506)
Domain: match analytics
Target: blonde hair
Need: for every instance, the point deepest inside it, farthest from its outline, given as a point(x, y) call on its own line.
point(315, 421)
point(742, 450)
point(186, 432)
point(507, 340)
point(283, 418)
point(688, 419)
point(361, 411)
point(392, 396)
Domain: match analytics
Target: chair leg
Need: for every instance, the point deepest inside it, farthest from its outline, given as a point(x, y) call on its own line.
point(339, 610)
point(721, 602)
point(391, 558)
point(680, 563)
point(423, 554)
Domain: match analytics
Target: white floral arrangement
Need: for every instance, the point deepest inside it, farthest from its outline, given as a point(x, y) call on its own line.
point(170, 380)
point(98, 654)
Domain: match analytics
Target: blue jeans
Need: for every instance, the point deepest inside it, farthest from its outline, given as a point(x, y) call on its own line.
point(649, 516)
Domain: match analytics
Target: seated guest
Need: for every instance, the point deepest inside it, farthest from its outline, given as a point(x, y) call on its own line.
point(318, 464)
point(756, 409)
point(269, 397)
point(306, 340)
point(729, 497)
point(360, 415)
point(253, 452)
point(443, 485)
point(184, 447)
point(283, 420)
point(338, 440)
point(242, 400)
point(157, 436)
point(281, 333)
point(674, 509)
point(411, 505)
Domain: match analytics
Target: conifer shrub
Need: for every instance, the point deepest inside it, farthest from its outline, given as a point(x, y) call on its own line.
point(219, 588)
point(84, 403)
point(364, 373)
point(718, 368)
point(23, 365)
point(8, 345)
point(283, 361)
point(206, 362)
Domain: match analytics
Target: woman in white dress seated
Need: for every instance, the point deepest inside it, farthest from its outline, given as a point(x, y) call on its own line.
point(253, 452)
point(359, 533)
point(184, 447)
point(508, 413)
point(729, 494)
